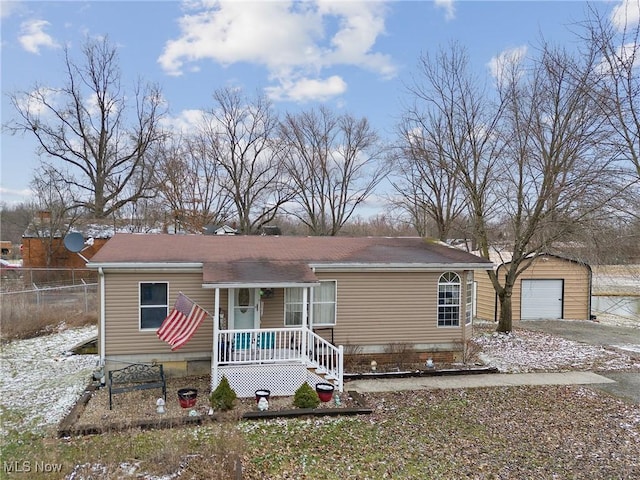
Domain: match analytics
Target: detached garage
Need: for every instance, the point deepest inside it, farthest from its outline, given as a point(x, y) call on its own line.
point(553, 287)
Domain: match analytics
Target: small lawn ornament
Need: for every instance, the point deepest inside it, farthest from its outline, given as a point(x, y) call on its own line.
point(160, 405)
point(263, 404)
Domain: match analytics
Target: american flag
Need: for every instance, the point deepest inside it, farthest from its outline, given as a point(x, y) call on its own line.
point(182, 322)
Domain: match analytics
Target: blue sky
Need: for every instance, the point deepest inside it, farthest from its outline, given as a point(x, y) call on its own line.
point(354, 57)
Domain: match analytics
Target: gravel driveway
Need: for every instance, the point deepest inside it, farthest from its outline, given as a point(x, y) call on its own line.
point(622, 338)
point(592, 333)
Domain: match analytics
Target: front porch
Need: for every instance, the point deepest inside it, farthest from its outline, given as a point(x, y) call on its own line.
point(267, 357)
point(275, 359)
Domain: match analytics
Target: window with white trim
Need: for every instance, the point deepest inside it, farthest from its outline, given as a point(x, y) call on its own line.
point(154, 304)
point(468, 313)
point(449, 300)
point(293, 306)
point(322, 305)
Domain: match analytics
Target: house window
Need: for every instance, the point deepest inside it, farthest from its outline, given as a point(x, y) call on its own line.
point(154, 305)
point(324, 303)
point(293, 307)
point(469, 294)
point(449, 300)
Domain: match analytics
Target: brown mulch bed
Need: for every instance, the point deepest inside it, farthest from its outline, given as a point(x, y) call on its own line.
point(137, 409)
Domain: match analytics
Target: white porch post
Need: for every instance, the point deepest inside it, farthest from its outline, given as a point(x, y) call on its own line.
point(305, 321)
point(216, 341)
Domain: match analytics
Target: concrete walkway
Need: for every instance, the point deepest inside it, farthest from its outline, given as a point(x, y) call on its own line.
point(475, 381)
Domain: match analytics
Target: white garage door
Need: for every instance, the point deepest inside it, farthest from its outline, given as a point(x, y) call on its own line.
point(541, 299)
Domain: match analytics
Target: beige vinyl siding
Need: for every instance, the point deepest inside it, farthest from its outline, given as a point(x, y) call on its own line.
point(576, 289)
point(273, 310)
point(394, 307)
point(123, 334)
point(372, 309)
point(485, 297)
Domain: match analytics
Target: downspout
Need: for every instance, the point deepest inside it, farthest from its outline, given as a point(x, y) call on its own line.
point(102, 322)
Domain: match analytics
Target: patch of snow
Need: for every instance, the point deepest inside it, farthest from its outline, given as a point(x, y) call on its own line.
point(524, 351)
point(40, 380)
point(617, 320)
point(628, 348)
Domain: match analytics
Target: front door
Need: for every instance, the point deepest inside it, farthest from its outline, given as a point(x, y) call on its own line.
point(245, 308)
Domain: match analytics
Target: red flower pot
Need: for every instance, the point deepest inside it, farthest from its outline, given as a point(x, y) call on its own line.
point(262, 394)
point(187, 397)
point(325, 391)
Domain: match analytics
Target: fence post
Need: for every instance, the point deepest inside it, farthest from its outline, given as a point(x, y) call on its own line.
point(86, 296)
point(35, 287)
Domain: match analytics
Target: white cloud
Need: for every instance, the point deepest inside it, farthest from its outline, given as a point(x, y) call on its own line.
point(33, 102)
point(13, 196)
point(9, 8)
point(626, 14)
point(294, 41)
point(447, 6)
point(186, 121)
point(624, 55)
point(32, 36)
point(306, 89)
point(507, 57)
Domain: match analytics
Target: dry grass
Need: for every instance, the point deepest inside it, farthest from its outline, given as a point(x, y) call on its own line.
point(20, 319)
point(211, 453)
point(500, 433)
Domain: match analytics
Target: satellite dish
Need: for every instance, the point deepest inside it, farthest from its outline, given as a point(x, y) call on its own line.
point(74, 242)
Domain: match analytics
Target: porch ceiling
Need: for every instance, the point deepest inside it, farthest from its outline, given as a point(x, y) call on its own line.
point(258, 272)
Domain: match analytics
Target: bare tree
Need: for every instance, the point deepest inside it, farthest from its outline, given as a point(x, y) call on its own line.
point(530, 159)
point(424, 189)
point(555, 175)
point(240, 136)
point(334, 163)
point(190, 182)
point(53, 212)
point(616, 48)
point(450, 142)
point(84, 127)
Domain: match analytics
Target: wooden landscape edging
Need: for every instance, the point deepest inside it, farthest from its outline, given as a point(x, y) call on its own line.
point(68, 428)
point(419, 373)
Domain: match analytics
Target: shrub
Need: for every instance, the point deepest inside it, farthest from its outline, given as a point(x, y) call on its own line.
point(223, 396)
point(306, 397)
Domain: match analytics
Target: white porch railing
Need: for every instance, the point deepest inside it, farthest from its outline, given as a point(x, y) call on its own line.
point(284, 346)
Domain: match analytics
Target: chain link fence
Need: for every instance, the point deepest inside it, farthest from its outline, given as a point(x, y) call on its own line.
point(35, 300)
point(77, 297)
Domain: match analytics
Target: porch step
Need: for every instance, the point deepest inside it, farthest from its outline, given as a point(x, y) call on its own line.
point(323, 375)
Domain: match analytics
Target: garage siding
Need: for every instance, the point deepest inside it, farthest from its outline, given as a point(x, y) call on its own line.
point(577, 287)
point(485, 297)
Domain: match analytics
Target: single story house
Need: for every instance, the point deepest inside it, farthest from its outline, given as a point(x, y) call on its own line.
point(283, 310)
point(552, 287)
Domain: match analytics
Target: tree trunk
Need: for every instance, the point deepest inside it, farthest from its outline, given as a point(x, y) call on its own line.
point(505, 321)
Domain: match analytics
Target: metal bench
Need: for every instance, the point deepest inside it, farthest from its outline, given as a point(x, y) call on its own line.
point(136, 377)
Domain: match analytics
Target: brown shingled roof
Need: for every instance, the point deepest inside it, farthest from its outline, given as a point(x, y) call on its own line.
point(141, 248)
point(267, 258)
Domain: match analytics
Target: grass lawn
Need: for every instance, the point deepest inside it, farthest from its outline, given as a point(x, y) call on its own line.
point(501, 433)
